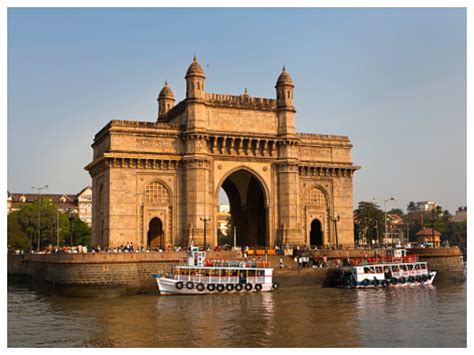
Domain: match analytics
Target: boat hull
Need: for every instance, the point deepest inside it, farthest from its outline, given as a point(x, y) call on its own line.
point(380, 284)
point(167, 286)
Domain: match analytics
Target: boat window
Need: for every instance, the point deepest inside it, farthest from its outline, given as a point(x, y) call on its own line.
point(251, 273)
point(423, 266)
point(260, 273)
point(417, 267)
point(366, 270)
point(378, 269)
point(410, 267)
point(403, 267)
point(395, 268)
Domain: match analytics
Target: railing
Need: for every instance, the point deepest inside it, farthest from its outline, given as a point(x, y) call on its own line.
point(384, 260)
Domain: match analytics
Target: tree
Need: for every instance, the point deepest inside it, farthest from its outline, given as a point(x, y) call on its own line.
point(23, 224)
point(411, 207)
point(17, 238)
point(369, 223)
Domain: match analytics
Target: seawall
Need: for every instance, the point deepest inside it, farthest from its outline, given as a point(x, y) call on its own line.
point(116, 274)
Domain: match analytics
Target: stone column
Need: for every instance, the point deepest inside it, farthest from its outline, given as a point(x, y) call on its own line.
point(288, 206)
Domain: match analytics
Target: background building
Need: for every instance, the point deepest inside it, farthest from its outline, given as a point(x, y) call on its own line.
point(80, 203)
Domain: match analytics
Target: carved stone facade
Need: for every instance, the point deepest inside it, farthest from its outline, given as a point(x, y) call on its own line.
point(157, 183)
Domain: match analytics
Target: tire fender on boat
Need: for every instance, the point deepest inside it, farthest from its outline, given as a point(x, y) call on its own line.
point(248, 287)
point(366, 282)
point(179, 285)
point(411, 279)
point(200, 287)
point(189, 285)
point(211, 287)
point(375, 282)
point(418, 278)
point(220, 288)
point(424, 278)
point(258, 287)
point(384, 283)
point(238, 287)
point(276, 285)
point(229, 287)
point(403, 279)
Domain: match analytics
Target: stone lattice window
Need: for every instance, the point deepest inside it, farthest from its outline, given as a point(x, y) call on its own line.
point(315, 197)
point(156, 192)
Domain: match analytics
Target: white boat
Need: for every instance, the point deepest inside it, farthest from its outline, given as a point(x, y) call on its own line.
point(203, 276)
point(394, 270)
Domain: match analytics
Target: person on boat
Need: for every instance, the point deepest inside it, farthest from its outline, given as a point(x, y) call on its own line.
point(282, 266)
point(325, 260)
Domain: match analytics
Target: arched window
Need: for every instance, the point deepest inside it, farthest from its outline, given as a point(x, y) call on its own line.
point(156, 193)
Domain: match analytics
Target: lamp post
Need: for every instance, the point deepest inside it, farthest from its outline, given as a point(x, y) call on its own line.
point(385, 215)
point(433, 218)
point(140, 218)
point(335, 220)
point(38, 247)
point(205, 220)
point(70, 216)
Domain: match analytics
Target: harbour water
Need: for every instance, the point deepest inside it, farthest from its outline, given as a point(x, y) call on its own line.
point(305, 316)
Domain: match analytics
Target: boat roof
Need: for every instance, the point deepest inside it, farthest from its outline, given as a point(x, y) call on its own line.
point(222, 267)
point(391, 264)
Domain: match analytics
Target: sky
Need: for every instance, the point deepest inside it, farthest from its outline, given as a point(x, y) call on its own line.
point(392, 79)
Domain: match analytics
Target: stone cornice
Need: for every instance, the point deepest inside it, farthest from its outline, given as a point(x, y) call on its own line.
point(136, 160)
point(327, 169)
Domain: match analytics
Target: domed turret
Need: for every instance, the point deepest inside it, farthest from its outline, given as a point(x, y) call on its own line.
point(165, 100)
point(284, 79)
point(195, 69)
point(284, 88)
point(195, 80)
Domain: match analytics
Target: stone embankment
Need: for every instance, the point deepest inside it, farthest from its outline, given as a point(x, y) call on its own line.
point(112, 274)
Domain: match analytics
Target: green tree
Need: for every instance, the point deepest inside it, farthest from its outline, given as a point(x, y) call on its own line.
point(17, 238)
point(81, 232)
point(54, 226)
point(369, 223)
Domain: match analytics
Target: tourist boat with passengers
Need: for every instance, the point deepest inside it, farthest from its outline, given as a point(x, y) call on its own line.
point(203, 276)
point(396, 269)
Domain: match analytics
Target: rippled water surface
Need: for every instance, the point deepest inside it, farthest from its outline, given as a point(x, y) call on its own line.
point(291, 317)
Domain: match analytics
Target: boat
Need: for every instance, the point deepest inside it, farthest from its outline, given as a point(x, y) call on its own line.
point(396, 269)
point(204, 276)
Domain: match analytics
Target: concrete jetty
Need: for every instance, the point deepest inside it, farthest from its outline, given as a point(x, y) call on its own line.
point(115, 274)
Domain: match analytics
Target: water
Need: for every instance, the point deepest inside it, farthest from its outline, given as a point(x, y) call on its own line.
point(307, 316)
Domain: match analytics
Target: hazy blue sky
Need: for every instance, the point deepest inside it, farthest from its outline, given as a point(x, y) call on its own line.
point(393, 80)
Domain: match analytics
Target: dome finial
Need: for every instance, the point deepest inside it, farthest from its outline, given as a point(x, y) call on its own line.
point(246, 91)
point(195, 57)
point(284, 68)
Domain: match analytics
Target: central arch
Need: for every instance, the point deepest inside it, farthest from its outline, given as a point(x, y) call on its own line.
point(248, 207)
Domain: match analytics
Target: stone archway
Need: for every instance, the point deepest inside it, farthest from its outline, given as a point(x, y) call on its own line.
point(155, 235)
point(316, 233)
point(248, 207)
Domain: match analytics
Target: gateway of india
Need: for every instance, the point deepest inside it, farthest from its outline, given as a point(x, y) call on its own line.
point(158, 183)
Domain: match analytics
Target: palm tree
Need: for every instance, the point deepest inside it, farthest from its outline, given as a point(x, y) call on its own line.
point(411, 206)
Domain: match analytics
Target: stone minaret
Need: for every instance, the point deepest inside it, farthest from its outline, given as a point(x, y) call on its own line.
point(287, 163)
point(286, 107)
point(165, 101)
point(195, 81)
